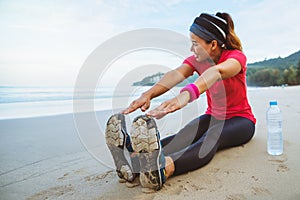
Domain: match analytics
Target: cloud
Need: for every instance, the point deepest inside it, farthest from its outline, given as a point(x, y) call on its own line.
point(49, 40)
point(52, 39)
point(269, 29)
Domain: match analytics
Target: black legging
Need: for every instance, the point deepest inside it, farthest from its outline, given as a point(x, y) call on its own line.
point(196, 144)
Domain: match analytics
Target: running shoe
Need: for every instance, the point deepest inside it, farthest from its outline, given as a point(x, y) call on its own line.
point(146, 141)
point(116, 139)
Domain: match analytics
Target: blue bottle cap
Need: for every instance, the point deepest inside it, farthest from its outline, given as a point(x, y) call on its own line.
point(273, 103)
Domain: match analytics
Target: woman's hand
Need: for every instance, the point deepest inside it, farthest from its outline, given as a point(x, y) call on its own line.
point(170, 106)
point(143, 102)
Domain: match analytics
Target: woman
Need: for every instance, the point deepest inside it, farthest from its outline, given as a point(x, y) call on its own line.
point(227, 122)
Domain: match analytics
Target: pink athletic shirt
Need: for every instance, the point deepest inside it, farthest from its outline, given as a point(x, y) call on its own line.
point(226, 98)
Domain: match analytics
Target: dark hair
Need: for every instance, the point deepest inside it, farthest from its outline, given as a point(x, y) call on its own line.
point(210, 27)
point(232, 40)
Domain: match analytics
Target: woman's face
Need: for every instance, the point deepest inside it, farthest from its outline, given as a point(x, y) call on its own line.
point(200, 48)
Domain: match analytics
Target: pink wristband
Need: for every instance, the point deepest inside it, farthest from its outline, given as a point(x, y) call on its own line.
point(193, 90)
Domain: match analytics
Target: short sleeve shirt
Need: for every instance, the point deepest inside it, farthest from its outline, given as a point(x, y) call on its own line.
point(226, 98)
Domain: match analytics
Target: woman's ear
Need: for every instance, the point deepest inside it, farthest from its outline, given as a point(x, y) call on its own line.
point(214, 45)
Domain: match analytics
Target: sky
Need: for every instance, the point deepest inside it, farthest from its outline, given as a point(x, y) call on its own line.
point(45, 43)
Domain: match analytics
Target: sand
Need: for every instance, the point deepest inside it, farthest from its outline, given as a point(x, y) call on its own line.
point(44, 158)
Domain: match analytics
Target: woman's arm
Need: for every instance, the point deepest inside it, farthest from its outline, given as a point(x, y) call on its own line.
point(227, 69)
point(168, 81)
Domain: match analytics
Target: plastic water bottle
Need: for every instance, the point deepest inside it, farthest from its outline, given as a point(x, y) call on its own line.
point(274, 124)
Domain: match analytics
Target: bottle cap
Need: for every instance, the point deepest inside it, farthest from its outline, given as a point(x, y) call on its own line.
point(273, 103)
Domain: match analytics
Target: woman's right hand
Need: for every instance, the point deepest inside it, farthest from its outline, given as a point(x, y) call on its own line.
point(143, 102)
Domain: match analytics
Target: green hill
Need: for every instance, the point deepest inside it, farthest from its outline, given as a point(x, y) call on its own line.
point(280, 63)
point(276, 71)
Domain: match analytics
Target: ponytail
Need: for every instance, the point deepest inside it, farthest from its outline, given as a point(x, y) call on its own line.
point(232, 40)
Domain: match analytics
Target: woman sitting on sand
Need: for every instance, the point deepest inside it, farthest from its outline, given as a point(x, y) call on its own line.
point(227, 122)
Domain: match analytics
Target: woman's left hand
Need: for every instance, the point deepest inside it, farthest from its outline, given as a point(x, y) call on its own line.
point(171, 105)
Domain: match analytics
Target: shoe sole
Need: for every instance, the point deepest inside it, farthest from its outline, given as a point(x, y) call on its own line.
point(145, 141)
point(115, 135)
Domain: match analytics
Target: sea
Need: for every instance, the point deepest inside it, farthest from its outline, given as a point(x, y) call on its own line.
point(24, 102)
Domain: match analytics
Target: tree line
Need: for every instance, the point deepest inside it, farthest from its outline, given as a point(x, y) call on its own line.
point(274, 76)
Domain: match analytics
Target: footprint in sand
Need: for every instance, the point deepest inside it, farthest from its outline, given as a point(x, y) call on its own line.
point(254, 178)
point(52, 193)
point(282, 168)
point(280, 161)
point(214, 170)
point(98, 177)
point(260, 191)
point(64, 176)
point(236, 197)
point(173, 188)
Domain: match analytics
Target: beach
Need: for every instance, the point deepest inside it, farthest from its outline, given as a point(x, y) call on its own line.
point(65, 157)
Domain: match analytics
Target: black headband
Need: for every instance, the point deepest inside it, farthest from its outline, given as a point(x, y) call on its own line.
point(220, 22)
point(210, 27)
